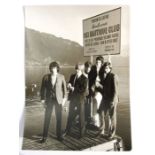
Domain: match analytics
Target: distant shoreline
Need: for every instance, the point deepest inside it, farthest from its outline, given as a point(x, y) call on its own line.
point(62, 66)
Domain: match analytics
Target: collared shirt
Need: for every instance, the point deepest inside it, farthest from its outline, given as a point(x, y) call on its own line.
point(76, 78)
point(53, 82)
point(53, 79)
point(105, 75)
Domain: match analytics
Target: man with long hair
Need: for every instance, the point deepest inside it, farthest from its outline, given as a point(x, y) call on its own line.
point(53, 94)
point(110, 100)
point(96, 88)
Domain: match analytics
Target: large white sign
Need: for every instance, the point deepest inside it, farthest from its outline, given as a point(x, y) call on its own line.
point(102, 33)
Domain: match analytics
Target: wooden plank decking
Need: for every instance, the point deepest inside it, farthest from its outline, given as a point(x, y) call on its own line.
point(34, 122)
point(87, 143)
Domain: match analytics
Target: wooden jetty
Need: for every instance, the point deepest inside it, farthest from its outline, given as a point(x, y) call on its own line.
point(72, 143)
point(34, 115)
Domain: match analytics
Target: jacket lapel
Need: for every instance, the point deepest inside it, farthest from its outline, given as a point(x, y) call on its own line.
point(57, 80)
point(49, 80)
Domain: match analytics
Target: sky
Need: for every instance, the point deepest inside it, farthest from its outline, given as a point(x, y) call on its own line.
point(66, 20)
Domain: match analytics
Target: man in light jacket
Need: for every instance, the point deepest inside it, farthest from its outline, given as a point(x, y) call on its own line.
point(53, 93)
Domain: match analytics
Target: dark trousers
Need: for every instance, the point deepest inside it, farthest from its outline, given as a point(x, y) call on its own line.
point(88, 109)
point(111, 119)
point(48, 112)
point(76, 107)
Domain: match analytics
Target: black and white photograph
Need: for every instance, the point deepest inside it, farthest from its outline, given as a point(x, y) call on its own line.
point(77, 94)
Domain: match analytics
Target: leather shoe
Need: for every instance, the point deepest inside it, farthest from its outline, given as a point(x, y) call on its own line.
point(60, 138)
point(66, 132)
point(103, 136)
point(43, 140)
point(100, 133)
point(109, 137)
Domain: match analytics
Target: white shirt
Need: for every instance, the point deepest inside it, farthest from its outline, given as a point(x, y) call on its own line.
point(53, 79)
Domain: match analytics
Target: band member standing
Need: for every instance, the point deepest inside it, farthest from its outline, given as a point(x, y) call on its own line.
point(87, 70)
point(110, 100)
point(95, 89)
point(78, 91)
point(53, 93)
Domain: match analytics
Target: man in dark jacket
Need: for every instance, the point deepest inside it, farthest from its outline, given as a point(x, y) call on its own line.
point(96, 72)
point(95, 89)
point(53, 93)
point(87, 70)
point(110, 100)
point(78, 90)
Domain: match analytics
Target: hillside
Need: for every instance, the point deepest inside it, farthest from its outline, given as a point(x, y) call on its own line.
point(42, 48)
